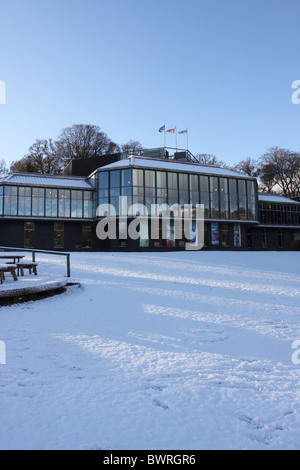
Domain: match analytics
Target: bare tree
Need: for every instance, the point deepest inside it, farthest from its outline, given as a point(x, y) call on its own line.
point(210, 159)
point(3, 168)
point(280, 168)
point(83, 141)
point(41, 158)
point(132, 146)
point(248, 166)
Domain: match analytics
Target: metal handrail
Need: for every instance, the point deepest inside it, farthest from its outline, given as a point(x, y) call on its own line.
point(34, 251)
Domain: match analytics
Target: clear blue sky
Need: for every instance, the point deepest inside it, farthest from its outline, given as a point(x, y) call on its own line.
point(221, 68)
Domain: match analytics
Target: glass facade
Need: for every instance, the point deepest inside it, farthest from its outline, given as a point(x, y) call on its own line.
point(222, 197)
point(279, 214)
point(26, 201)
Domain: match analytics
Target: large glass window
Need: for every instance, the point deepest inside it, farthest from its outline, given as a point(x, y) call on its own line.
point(103, 193)
point(233, 198)
point(194, 190)
point(138, 187)
point(126, 190)
point(172, 188)
point(29, 235)
point(149, 189)
point(64, 203)
point(204, 194)
point(24, 202)
point(161, 191)
point(115, 189)
point(38, 202)
point(251, 200)
point(224, 212)
point(242, 199)
point(88, 204)
point(214, 197)
point(51, 202)
point(183, 189)
point(10, 200)
point(76, 204)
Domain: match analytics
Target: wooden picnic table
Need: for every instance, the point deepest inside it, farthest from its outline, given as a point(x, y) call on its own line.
point(13, 257)
point(8, 268)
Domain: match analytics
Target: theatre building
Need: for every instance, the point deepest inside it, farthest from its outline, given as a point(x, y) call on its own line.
point(62, 212)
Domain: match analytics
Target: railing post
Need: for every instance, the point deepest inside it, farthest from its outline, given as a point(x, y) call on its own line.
point(68, 265)
point(33, 256)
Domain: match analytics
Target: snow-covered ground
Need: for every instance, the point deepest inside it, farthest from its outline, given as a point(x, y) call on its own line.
point(189, 350)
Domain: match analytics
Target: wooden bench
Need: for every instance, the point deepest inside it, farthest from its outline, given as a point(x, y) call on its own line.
point(8, 268)
point(26, 265)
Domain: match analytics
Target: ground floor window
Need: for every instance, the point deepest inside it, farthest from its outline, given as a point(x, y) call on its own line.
point(122, 233)
point(205, 239)
point(264, 239)
point(249, 239)
point(58, 235)
point(29, 235)
point(156, 234)
point(215, 234)
point(144, 233)
point(86, 235)
point(225, 235)
point(237, 235)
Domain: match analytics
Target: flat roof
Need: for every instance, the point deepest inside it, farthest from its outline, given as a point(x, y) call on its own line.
point(47, 180)
point(276, 198)
point(173, 165)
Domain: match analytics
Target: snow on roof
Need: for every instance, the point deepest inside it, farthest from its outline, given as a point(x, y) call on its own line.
point(172, 165)
point(276, 198)
point(47, 180)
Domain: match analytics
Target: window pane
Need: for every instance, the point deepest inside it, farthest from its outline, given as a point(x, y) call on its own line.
point(214, 197)
point(204, 194)
point(76, 204)
point(233, 199)
point(242, 199)
point(115, 179)
point(88, 204)
point(126, 178)
point(103, 179)
point(150, 178)
point(10, 200)
point(172, 180)
point(194, 182)
point(161, 179)
point(51, 202)
point(64, 205)
point(38, 202)
point(252, 200)
point(138, 178)
point(224, 198)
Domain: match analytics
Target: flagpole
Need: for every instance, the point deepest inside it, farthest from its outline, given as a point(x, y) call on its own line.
point(176, 137)
point(187, 140)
